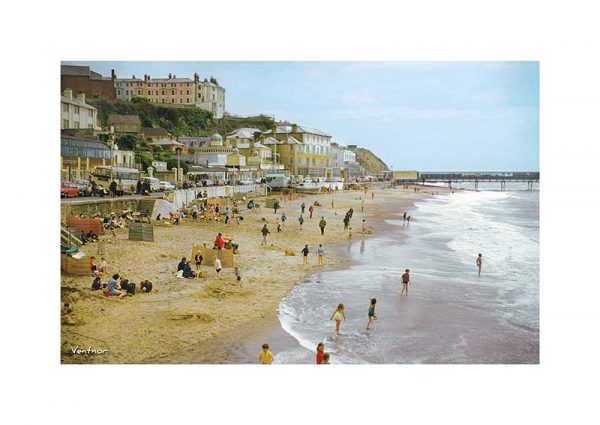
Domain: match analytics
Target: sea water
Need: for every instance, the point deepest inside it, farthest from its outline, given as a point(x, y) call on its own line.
point(451, 314)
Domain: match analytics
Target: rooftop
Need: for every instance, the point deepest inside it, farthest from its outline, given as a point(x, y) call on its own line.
point(123, 119)
point(75, 101)
point(151, 131)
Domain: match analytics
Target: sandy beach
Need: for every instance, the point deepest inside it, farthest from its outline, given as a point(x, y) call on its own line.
point(200, 320)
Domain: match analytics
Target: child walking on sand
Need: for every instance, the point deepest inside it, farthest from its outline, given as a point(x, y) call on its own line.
point(218, 267)
point(372, 316)
point(338, 315)
point(265, 356)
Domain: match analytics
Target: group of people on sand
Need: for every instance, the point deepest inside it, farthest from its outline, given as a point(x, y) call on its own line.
point(88, 237)
point(116, 285)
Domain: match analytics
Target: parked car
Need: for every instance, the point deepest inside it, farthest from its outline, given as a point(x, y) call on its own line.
point(154, 183)
point(68, 190)
point(166, 186)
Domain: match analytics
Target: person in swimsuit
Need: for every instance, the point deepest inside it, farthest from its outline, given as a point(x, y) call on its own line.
point(320, 353)
point(405, 283)
point(372, 316)
point(338, 315)
point(479, 260)
point(198, 259)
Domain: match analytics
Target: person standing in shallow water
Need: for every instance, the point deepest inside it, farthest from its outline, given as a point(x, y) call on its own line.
point(405, 282)
point(479, 261)
point(372, 315)
point(338, 315)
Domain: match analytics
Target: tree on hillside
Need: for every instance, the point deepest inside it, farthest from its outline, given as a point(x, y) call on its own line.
point(172, 163)
point(126, 142)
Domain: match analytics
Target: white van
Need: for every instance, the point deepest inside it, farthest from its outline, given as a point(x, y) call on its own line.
point(154, 183)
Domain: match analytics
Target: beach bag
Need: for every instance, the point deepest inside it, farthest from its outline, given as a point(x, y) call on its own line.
point(146, 286)
point(96, 285)
point(131, 288)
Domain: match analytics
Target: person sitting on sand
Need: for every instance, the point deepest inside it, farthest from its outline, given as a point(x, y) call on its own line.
point(238, 275)
point(181, 264)
point(326, 358)
point(83, 237)
point(113, 286)
point(96, 284)
point(338, 315)
point(188, 273)
point(219, 242)
point(265, 356)
point(320, 353)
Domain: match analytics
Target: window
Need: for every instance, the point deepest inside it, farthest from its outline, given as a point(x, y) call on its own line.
point(172, 100)
point(139, 92)
point(163, 92)
point(91, 113)
point(76, 124)
point(163, 100)
point(172, 84)
point(119, 92)
point(127, 92)
point(65, 123)
point(172, 92)
point(76, 110)
point(188, 92)
point(65, 107)
point(90, 125)
point(188, 100)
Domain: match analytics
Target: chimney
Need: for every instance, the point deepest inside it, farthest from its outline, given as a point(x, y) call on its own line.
point(294, 128)
point(113, 76)
point(81, 97)
point(133, 77)
point(174, 76)
point(196, 77)
point(170, 76)
point(68, 93)
point(274, 129)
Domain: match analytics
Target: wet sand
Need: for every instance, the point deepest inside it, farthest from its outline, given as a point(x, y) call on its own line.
point(211, 320)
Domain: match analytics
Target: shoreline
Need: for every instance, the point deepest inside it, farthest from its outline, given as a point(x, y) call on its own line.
point(241, 345)
point(207, 320)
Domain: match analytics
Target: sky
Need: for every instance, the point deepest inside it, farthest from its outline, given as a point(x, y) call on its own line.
point(424, 116)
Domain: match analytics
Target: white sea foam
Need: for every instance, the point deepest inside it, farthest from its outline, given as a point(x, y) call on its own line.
point(442, 245)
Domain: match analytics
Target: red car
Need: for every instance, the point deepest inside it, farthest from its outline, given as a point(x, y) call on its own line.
point(68, 190)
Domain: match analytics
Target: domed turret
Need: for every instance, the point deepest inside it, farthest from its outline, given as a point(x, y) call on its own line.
point(216, 140)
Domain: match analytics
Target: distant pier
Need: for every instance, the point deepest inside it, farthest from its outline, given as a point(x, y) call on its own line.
point(501, 177)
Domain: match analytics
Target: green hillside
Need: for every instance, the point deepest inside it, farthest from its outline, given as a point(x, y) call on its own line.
point(177, 121)
point(372, 164)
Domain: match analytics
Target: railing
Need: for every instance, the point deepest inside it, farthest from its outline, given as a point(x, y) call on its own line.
point(184, 197)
